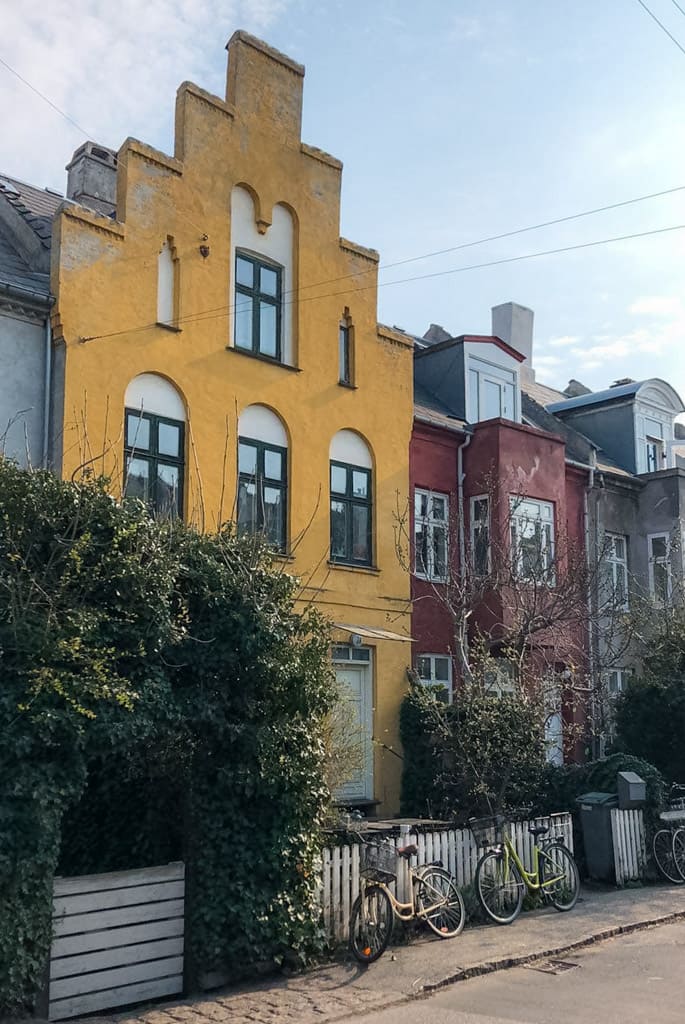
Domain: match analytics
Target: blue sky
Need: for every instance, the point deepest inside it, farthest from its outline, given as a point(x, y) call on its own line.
point(455, 120)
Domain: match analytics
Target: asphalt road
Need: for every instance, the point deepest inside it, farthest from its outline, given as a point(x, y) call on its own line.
point(633, 979)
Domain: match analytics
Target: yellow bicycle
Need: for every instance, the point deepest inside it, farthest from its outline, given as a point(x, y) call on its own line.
point(501, 879)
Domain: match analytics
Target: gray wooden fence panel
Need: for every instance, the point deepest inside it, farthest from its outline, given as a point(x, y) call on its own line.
point(118, 939)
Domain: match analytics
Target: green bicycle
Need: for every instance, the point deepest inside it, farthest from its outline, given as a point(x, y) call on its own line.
point(501, 879)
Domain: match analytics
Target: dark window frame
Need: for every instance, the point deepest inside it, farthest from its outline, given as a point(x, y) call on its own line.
point(261, 481)
point(351, 500)
point(153, 456)
point(258, 297)
point(345, 354)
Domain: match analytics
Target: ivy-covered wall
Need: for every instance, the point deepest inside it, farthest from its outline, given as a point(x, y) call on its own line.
point(160, 697)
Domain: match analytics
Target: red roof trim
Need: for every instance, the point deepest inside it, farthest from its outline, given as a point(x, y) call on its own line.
point(492, 339)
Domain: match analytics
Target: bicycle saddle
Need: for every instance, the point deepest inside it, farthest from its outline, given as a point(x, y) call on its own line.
point(407, 851)
point(538, 830)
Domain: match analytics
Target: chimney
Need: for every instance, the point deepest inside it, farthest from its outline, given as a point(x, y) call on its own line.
point(575, 388)
point(435, 334)
point(514, 324)
point(92, 178)
point(265, 84)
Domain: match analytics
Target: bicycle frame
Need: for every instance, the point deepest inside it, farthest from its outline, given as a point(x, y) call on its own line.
point(407, 911)
point(531, 878)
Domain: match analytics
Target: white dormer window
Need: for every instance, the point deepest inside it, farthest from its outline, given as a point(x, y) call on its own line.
point(491, 391)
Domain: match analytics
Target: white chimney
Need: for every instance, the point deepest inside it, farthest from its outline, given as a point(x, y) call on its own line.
point(514, 324)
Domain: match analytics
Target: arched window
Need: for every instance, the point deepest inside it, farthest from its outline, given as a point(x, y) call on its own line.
point(262, 264)
point(263, 475)
point(351, 499)
point(154, 444)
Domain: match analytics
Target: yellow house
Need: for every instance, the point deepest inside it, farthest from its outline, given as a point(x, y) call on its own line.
point(216, 352)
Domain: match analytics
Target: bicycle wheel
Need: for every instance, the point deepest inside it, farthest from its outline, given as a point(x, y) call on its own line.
point(662, 847)
point(371, 924)
point(439, 902)
point(558, 867)
point(499, 886)
point(679, 850)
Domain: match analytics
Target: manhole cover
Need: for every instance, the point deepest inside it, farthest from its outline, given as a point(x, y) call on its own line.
point(552, 966)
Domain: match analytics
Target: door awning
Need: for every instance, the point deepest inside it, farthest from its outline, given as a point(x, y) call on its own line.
point(372, 633)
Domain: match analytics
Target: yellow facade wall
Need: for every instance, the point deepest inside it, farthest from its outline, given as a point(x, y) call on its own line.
point(105, 278)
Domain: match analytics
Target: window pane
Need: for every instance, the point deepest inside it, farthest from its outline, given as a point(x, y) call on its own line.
point(273, 515)
point(442, 671)
point(247, 507)
point(658, 547)
point(439, 506)
point(137, 483)
point(619, 548)
point(341, 653)
point(137, 432)
point(169, 440)
point(243, 321)
point(268, 281)
point(361, 654)
point(338, 529)
point(480, 550)
point(439, 552)
point(420, 505)
point(360, 533)
point(167, 490)
point(421, 549)
point(661, 581)
point(507, 402)
point(360, 484)
point(273, 465)
point(424, 668)
point(621, 595)
point(480, 510)
point(247, 458)
point(244, 272)
point(338, 480)
point(267, 329)
point(492, 403)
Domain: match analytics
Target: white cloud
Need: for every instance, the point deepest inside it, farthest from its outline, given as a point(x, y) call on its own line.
point(563, 341)
point(547, 362)
point(464, 27)
point(112, 67)
point(656, 305)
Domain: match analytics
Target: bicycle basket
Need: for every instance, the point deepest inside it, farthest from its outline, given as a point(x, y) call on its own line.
point(378, 861)
point(487, 831)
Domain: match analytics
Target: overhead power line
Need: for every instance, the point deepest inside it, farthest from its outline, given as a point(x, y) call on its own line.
point(676, 4)
point(661, 24)
point(213, 314)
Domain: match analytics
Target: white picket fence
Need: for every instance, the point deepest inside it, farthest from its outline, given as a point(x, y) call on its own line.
point(630, 853)
point(456, 848)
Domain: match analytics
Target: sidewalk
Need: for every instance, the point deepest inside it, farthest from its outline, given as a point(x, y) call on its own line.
point(341, 990)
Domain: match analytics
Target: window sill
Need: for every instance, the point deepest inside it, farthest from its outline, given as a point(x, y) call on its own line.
point(282, 556)
point(430, 579)
point(346, 384)
point(169, 327)
point(353, 567)
point(262, 359)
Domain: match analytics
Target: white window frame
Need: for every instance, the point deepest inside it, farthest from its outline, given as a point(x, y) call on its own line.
point(429, 524)
point(665, 560)
point(499, 679)
point(545, 516)
point(489, 373)
point(623, 675)
point(473, 523)
point(617, 566)
point(432, 681)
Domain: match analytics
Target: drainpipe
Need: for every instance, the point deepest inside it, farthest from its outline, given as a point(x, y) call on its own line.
point(589, 548)
point(460, 508)
point(47, 384)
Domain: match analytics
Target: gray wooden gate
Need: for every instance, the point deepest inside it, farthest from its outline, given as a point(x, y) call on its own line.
point(118, 939)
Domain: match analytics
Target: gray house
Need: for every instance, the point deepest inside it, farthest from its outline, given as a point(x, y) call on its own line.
point(29, 366)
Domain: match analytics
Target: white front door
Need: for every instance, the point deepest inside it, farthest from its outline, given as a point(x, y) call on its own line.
point(355, 681)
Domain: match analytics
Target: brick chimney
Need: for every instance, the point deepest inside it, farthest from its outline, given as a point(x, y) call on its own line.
point(92, 178)
point(514, 324)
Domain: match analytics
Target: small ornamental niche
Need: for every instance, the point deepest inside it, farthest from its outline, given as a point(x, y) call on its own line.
point(346, 349)
point(167, 284)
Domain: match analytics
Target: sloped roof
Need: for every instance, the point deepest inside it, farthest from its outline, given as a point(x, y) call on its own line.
point(36, 205)
point(541, 393)
point(15, 272)
point(430, 409)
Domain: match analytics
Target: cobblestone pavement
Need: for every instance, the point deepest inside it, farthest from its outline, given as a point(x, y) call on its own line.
point(342, 989)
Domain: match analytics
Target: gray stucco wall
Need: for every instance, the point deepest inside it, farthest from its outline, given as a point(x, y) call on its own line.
point(612, 428)
point(22, 368)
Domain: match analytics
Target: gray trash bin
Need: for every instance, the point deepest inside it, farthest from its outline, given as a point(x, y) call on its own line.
point(595, 820)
